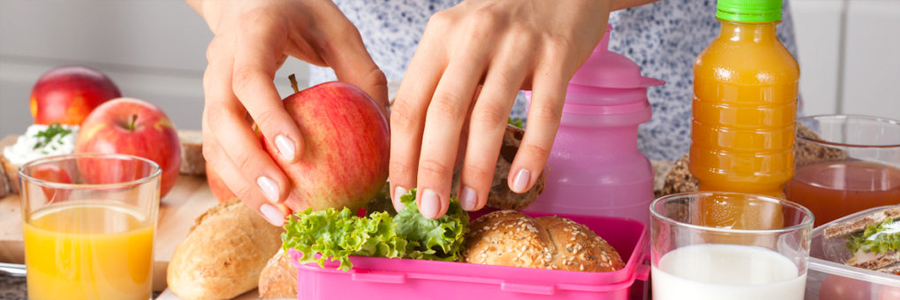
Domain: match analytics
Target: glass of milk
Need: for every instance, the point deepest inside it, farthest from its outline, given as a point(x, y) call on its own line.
point(718, 245)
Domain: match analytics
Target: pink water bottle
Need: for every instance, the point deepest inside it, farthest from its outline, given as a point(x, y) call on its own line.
point(595, 167)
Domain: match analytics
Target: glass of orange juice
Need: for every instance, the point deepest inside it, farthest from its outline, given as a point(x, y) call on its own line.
point(88, 224)
point(856, 165)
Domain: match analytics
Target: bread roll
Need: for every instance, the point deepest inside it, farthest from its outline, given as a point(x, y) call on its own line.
point(10, 177)
point(510, 238)
point(279, 278)
point(223, 254)
point(500, 196)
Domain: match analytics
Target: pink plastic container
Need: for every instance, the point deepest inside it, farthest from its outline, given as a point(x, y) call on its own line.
point(595, 167)
point(384, 278)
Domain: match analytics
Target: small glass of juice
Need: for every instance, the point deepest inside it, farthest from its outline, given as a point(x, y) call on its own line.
point(854, 165)
point(88, 224)
point(692, 259)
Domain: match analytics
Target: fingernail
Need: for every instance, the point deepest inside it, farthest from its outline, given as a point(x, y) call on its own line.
point(430, 205)
point(521, 181)
point(268, 187)
point(399, 192)
point(468, 198)
point(272, 214)
point(285, 147)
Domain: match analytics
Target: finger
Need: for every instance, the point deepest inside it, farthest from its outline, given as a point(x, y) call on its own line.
point(351, 62)
point(227, 123)
point(444, 119)
point(487, 126)
point(408, 119)
point(548, 93)
point(273, 213)
point(259, 48)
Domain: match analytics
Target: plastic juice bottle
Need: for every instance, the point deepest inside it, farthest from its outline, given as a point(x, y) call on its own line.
point(744, 109)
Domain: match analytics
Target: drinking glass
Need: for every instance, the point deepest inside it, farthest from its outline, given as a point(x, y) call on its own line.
point(765, 259)
point(851, 163)
point(89, 221)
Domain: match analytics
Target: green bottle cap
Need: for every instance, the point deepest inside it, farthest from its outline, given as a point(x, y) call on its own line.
point(752, 11)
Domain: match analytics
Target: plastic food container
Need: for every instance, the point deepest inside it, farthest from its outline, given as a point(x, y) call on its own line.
point(829, 279)
point(384, 278)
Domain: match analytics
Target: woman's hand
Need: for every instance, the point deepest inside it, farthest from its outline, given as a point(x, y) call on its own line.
point(252, 40)
point(453, 104)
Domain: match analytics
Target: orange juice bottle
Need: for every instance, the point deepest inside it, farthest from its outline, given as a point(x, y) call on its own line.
point(744, 108)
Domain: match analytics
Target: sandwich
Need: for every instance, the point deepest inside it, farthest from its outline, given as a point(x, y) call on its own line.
point(872, 240)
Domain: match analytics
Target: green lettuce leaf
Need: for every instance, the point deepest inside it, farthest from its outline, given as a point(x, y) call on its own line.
point(439, 239)
point(881, 244)
point(336, 234)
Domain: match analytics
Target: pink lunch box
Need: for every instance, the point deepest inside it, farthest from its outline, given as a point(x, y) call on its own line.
point(384, 278)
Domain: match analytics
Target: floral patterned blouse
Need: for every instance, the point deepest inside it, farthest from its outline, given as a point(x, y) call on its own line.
point(663, 37)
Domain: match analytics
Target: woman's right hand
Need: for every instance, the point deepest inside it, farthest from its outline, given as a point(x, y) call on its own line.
point(252, 40)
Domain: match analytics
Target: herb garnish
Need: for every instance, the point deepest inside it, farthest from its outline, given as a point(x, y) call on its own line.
point(880, 244)
point(47, 135)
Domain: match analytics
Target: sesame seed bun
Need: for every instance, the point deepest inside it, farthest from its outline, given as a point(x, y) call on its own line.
point(510, 238)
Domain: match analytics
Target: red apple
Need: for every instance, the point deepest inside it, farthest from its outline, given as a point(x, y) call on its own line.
point(346, 146)
point(134, 127)
point(217, 185)
point(68, 94)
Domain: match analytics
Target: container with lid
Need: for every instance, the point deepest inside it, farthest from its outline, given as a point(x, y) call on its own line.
point(595, 167)
point(829, 278)
point(386, 278)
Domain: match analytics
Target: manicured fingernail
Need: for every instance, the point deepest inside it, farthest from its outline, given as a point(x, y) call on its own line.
point(521, 181)
point(272, 214)
point(430, 204)
point(268, 187)
point(398, 192)
point(468, 198)
point(285, 147)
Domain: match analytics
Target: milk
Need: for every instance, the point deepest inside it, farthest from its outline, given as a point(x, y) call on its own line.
point(733, 272)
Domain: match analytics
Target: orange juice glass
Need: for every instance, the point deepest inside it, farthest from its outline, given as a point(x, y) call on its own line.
point(744, 108)
point(88, 224)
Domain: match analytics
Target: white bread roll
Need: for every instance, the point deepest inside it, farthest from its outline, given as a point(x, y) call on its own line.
point(223, 254)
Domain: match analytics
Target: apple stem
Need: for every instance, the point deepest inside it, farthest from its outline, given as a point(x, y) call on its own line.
point(293, 80)
point(131, 123)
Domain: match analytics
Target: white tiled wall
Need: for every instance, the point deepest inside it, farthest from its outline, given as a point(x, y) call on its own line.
point(848, 53)
point(154, 50)
point(817, 27)
point(872, 61)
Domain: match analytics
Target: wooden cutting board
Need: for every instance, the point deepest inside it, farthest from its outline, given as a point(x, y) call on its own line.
point(186, 201)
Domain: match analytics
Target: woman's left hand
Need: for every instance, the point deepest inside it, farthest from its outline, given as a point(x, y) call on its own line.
point(454, 101)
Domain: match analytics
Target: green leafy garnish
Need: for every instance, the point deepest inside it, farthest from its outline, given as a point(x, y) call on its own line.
point(336, 234)
point(516, 122)
point(881, 244)
point(48, 134)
